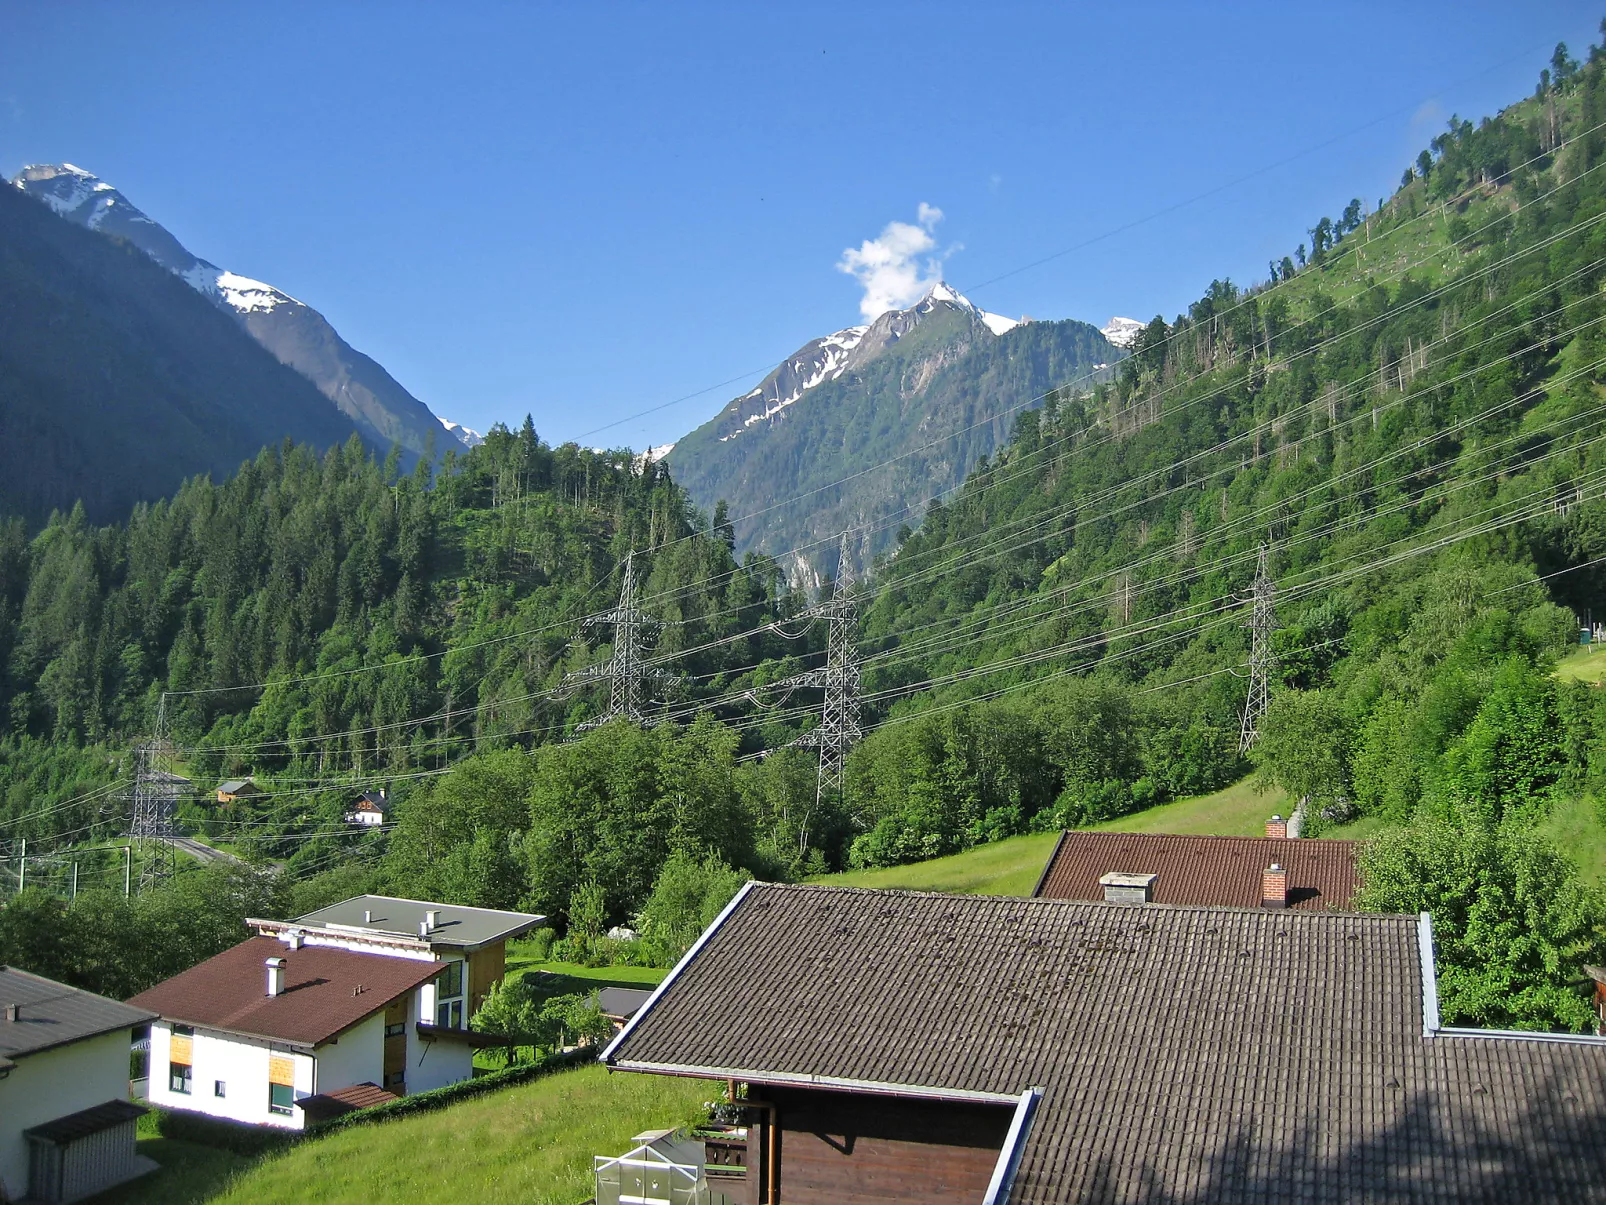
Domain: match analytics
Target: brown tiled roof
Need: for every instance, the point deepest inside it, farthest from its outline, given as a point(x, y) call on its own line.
point(325, 1105)
point(320, 999)
point(1218, 871)
point(1185, 1054)
point(93, 1120)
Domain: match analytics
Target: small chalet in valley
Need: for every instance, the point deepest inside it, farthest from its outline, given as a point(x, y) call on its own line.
point(371, 808)
point(348, 1006)
point(236, 789)
point(903, 1046)
point(1274, 871)
point(66, 1123)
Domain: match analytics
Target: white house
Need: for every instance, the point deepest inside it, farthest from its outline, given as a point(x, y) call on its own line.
point(66, 1123)
point(371, 808)
point(343, 1008)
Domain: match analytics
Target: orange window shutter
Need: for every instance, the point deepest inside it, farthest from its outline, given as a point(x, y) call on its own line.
point(181, 1050)
point(281, 1070)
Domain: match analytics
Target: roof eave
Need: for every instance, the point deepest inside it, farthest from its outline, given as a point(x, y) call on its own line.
point(828, 1083)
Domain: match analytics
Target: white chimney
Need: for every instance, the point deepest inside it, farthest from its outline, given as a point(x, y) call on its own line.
point(432, 918)
point(367, 916)
point(423, 928)
point(13, 1012)
point(275, 976)
point(292, 938)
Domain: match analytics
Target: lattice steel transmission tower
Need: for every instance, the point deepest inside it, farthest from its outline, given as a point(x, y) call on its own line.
point(627, 670)
point(155, 803)
point(1262, 621)
point(839, 728)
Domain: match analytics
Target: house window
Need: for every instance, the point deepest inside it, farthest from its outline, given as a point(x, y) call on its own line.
point(179, 1076)
point(396, 1031)
point(183, 1031)
point(281, 1099)
point(449, 997)
point(396, 1081)
point(218, 1088)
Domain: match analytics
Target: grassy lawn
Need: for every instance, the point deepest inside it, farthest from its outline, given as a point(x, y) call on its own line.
point(1009, 867)
point(1575, 826)
point(1586, 665)
point(1012, 867)
point(1235, 811)
point(531, 1144)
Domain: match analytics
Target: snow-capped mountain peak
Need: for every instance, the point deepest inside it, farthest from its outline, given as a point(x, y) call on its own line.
point(1123, 332)
point(293, 331)
point(942, 291)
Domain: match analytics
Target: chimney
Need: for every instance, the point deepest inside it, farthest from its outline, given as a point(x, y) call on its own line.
point(432, 918)
point(1120, 888)
point(13, 1012)
point(292, 938)
point(423, 928)
point(1277, 827)
point(367, 916)
point(1274, 887)
point(275, 976)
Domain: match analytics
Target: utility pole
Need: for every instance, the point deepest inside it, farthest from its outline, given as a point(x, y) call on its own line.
point(128, 867)
point(839, 728)
point(1263, 619)
point(155, 801)
point(627, 670)
point(22, 868)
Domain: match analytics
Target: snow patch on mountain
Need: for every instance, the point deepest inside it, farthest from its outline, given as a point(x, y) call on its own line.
point(466, 436)
point(1123, 332)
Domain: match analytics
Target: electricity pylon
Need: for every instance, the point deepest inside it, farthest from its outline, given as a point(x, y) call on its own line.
point(1262, 621)
point(627, 670)
point(155, 802)
point(839, 728)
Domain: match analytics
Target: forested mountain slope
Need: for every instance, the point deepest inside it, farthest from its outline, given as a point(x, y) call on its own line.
point(930, 389)
point(117, 380)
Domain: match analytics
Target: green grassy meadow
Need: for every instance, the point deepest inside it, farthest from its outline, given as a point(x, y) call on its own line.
point(1012, 866)
point(528, 1145)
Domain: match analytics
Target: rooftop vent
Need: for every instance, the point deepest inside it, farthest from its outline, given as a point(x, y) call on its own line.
point(1277, 827)
point(13, 1012)
point(275, 976)
point(1121, 888)
point(367, 916)
point(423, 928)
point(432, 918)
point(1274, 887)
point(292, 938)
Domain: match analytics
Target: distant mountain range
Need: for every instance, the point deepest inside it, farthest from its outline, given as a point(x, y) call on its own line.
point(858, 428)
point(118, 380)
point(298, 335)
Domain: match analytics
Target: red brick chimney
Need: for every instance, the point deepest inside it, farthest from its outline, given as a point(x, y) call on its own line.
point(1274, 887)
point(1277, 827)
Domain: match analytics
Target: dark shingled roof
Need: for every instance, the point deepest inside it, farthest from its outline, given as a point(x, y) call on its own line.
point(622, 1002)
point(53, 1014)
point(1220, 871)
point(1185, 1054)
point(229, 992)
point(85, 1122)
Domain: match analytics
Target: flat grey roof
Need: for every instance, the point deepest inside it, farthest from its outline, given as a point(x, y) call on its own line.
point(53, 1014)
point(457, 926)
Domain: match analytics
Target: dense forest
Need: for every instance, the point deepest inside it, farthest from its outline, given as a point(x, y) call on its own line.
point(1403, 426)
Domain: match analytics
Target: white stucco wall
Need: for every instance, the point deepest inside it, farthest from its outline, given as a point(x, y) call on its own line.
point(52, 1084)
point(436, 1064)
point(358, 1056)
point(241, 1063)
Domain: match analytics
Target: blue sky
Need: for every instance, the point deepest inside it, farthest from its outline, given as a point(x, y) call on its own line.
point(585, 211)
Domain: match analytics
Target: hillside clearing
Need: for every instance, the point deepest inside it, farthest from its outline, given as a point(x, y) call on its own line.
point(1012, 866)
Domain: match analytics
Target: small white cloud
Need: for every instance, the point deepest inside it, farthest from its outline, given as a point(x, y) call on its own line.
point(993, 181)
point(897, 268)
